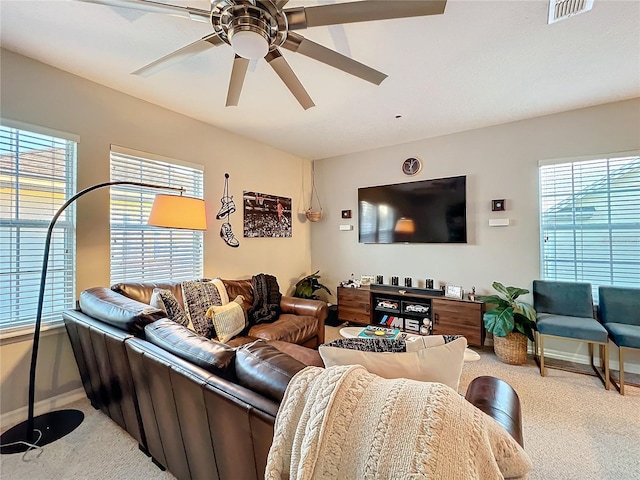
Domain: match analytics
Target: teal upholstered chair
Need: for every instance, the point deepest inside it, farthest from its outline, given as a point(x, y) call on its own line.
point(620, 315)
point(565, 310)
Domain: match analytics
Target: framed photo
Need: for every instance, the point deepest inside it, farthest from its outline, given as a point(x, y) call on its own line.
point(266, 215)
point(453, 291)
point(367, 279)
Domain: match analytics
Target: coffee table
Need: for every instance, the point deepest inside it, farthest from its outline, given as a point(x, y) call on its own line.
point(353, 332)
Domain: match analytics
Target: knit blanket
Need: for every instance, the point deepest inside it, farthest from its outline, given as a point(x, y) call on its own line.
point(345, 423)
point(266, 299)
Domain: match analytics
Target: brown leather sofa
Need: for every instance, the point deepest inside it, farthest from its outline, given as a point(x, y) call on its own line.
point(301, 320)
point(201, 409)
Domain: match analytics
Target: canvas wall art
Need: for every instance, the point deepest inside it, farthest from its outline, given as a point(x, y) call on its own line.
point(266, 215)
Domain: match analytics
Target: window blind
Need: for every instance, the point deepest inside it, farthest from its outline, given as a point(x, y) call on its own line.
point(590, 221)
point(37, 175)
point(140, 252)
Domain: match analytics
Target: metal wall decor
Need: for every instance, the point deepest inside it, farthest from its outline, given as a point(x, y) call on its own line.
point(228, 207)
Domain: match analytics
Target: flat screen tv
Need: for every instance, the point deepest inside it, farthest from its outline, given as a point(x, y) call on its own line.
point(427, 211)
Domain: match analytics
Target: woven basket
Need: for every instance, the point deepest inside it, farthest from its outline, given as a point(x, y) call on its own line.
point(511, 349)
point(313, 216)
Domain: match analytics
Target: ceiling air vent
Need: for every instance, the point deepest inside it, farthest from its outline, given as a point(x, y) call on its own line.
point(562, 9)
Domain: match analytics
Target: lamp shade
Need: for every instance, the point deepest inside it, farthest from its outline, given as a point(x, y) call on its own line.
point(176, 211)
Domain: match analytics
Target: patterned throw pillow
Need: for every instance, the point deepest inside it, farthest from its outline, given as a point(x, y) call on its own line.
point(228, 320)
point(198, 297)
point(165, 300)
point(370, 344)
point(222, 290)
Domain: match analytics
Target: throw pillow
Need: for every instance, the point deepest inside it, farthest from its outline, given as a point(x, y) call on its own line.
point(222, 290)
point(166, 301)
point(418, 342)
point(228, 320)
point(441, 363)
point(370, 344)
point(198, 297)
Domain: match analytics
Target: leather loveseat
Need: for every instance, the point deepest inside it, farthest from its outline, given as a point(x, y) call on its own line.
point(202, 409)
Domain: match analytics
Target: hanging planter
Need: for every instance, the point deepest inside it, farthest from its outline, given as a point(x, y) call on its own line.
point(311, 214)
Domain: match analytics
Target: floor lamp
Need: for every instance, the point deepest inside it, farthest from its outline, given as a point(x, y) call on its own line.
point(169, 211)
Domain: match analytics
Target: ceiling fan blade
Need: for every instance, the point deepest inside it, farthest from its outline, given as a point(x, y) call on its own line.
point(157, 7)
point(282, 68)
point(364, 11)
point(238, 73)
point(300, 44)
point(199, 46)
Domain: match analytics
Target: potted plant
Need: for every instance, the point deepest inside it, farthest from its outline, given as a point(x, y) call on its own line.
point(511, 322)
point(307, 286)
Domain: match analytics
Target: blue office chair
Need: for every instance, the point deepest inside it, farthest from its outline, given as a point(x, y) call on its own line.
point(620, 315)
point(565, 310)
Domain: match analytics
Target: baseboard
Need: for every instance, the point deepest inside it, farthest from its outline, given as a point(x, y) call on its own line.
point(43, 406)
point(585, 360)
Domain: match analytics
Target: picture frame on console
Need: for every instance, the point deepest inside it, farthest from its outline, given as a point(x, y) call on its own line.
point(367, 279)
point(453, 291)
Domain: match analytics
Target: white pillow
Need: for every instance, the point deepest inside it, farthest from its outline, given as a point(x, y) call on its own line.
point(228, 320)
point(222, 290)
point(418, 342)
point(442, 363)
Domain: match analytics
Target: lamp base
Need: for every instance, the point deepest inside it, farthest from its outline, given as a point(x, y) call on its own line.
point(53, 425)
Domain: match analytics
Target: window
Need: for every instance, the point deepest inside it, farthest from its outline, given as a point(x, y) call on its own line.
point(37, 175)
point(590, 221)
point(139, 252)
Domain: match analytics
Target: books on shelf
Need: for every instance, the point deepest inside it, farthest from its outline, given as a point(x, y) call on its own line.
point(373, 331)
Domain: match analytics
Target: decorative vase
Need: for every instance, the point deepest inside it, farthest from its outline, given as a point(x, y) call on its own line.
point(511, 349)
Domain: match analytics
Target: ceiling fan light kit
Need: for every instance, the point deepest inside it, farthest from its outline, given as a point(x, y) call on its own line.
point(259, 28)
point(249, 44)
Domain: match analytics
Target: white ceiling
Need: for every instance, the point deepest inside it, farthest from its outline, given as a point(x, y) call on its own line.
point(481, 63)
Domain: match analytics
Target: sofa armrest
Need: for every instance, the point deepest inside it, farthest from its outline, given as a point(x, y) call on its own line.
point(500, 401)
point(309, 308)
point(117, 310)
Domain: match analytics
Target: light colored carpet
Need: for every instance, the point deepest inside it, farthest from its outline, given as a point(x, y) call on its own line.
point(573, 429)
point(97, 449)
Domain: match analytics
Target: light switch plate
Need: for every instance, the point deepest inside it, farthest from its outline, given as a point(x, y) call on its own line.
point(346, 227)
point(498, 222)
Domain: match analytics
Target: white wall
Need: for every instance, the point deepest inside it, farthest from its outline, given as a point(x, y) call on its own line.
point(38, 94)
point(499, 162)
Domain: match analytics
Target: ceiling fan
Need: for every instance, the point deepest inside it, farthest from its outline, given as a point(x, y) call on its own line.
point(259, 28)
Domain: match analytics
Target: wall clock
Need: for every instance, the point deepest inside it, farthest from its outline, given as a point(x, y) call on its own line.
point(411, 166)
